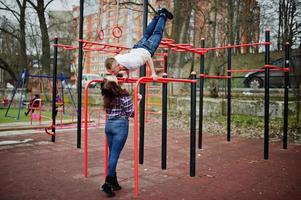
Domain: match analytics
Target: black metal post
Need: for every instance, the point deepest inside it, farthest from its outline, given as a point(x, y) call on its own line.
point(164, 124)
point(201, 100)
point(54, 92)
point(266, 96)
point(286, 86)
point(80, 73)
point(193, 125)
point(229, 61)
point(142, 92)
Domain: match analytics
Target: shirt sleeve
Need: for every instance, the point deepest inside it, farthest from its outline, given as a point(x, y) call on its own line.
point(127, 105)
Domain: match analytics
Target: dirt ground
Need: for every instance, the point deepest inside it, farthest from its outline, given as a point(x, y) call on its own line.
point(41, 169)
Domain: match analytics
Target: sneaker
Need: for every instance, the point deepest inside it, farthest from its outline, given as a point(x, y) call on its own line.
point(166, 12)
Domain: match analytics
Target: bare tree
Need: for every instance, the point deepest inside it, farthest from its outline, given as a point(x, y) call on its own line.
point(19, 61)
point(40, 7)
point(289, 25)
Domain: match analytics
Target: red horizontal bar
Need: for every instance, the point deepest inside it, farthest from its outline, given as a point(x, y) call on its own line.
point(154, 95)
point(271, 66)
point(153, 86)
point(238, 46)
point(65, 46)
point(165, 80)
point(155, 104)
point(178, 50)
point(168, 40)
point(161, 54)
point(155, 113)
point(102, 44)
point(215, 77)
point(258, 70)
point(245, 70)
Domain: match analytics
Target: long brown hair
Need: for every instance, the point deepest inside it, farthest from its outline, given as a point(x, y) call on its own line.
point(111, 92)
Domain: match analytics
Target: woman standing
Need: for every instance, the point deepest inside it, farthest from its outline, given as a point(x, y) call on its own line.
point(119, 107)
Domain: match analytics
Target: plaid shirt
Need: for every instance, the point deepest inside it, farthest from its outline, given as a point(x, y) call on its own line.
point(123, 108)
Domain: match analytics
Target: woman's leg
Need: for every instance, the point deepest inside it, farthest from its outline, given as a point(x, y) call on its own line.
point(119, 138)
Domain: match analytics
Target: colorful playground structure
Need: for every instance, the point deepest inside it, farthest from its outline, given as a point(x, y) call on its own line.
point(168, 43)
point(142, 84)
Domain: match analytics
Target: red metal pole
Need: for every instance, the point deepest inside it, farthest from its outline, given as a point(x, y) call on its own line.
point(106, 153)
point(136, 111)
point(86, 103)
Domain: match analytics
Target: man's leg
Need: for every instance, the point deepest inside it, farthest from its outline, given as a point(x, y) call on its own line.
point(154, 40)
point(148, 32)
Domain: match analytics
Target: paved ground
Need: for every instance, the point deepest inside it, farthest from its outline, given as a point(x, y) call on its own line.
point(41, 169)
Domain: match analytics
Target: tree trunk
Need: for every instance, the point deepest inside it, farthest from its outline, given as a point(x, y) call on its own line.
point(182, 15)
point(45, 37)
point(5, 66)
point(23, 56)
point(41, 10)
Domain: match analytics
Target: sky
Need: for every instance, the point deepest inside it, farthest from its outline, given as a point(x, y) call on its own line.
point(63, 4)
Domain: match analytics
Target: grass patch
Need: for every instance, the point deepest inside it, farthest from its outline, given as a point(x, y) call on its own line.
point(13, 112)
point(246, 121)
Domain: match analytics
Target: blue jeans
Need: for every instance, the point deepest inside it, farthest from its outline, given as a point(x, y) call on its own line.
point(153, 34)
point(116, 132)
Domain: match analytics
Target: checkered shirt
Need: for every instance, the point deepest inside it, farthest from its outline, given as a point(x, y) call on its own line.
point(122, 110)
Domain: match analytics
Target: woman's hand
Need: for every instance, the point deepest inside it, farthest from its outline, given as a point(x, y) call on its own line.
point(139, 96)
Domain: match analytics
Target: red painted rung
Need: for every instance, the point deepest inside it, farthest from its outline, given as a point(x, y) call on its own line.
point(178, 50)
point(102, 44)
point(66, 47)
point(215, 77)
point(165, 80)
point(245, 70)
point(271, 66)
point(155, 113)
point(161, 54)
point(239, 45)
point(154, 86)
point(155, 104)
point(167, 40)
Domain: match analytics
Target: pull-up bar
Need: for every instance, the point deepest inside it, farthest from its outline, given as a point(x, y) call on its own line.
point(136, 107)
point(238, 46)
point(214, 77)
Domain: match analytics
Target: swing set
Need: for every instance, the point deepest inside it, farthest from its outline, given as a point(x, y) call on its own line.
point(36, 97)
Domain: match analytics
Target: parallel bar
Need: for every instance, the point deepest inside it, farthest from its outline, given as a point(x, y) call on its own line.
point(192, 126)
point(142, 92)
point(80, 73)
point(229, 61)
point(201, 100)
point(215, 77)
point(164, 124)
point(54, 89)
point(286, 86)
point(266, 96)
point(238, 46)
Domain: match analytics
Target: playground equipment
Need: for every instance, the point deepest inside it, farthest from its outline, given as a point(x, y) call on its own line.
point(168, 43)
point(35, 110)
point(20, 84)
point(85, 45)
point(117, 31)
point(160, 58)
point(145, 80)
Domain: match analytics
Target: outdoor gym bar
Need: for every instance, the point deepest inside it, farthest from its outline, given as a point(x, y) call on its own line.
point(137, 82)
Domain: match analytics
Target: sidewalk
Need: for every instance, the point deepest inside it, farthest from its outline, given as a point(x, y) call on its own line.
point(41, 169)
